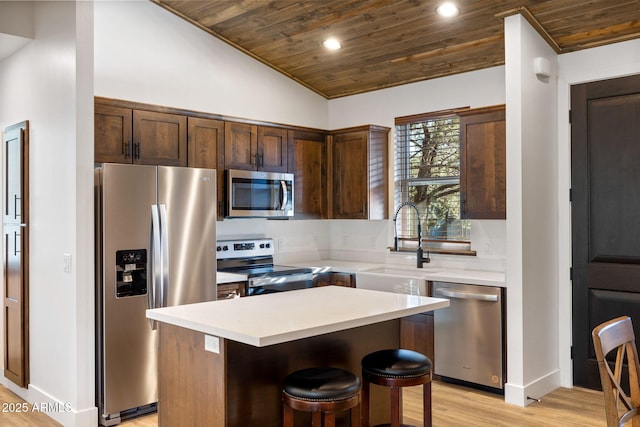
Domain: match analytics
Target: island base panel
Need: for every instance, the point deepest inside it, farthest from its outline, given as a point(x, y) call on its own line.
point(190, 379)
point(241, 386)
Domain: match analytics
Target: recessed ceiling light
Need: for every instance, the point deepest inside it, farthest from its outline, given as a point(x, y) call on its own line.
point(447, 10)
point(331, 44)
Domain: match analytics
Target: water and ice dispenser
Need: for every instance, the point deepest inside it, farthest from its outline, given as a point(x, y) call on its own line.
point(131, 272)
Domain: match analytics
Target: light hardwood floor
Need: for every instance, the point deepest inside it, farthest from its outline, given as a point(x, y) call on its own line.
point(453, 406)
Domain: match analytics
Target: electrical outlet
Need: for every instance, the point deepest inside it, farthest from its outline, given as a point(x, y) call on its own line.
point(212, 344)
point(488, 248)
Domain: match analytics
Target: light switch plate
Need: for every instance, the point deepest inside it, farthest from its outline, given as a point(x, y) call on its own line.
point(67, 263)
point(212, 344)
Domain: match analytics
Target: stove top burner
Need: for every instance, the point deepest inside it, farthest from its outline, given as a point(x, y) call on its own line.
point(253, 257)
point(268, 270)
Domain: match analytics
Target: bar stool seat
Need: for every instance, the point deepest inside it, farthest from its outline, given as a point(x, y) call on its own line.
point(322, 391)
point(396, 368)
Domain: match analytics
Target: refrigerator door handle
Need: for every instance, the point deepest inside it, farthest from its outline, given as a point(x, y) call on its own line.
point(164, 239)
point(156, 261)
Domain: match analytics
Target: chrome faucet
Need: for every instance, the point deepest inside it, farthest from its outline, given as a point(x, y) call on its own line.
point(419, 253)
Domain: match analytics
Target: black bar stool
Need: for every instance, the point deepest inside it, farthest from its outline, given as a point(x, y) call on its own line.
point(321, 391)
point(396, 368)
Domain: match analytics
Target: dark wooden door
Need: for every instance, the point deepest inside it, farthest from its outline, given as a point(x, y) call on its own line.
point(16, 253)
point(159, 138)
point(605, 181)
point(307, 163)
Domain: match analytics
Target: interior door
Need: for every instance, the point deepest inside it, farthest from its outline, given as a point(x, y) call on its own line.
point(605, 172)
point(16, 254)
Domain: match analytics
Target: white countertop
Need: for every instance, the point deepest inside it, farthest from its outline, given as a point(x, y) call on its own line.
point(286, 316)
point(325, 265)
point(222, 277)
point(429, 272)
point(469, 277)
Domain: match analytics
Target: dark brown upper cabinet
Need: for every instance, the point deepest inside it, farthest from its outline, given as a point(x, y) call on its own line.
point(159, 138)
point(359, 173)
point(205, 146)
point(308, 163)
point(125, 135)
point(252, 147)
point(113, 128)
point(483, 163)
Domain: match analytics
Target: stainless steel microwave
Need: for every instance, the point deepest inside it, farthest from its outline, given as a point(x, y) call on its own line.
point(258, 194)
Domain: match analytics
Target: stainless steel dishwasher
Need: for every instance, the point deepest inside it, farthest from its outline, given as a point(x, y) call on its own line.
point(469, 334)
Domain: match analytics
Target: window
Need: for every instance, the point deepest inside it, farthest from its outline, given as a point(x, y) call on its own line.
point(427, 173)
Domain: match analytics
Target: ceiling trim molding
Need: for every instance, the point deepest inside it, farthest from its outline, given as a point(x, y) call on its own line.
point(534, 23)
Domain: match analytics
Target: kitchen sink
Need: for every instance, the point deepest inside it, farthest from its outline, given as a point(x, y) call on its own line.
point(398, 271)
point(393, 279)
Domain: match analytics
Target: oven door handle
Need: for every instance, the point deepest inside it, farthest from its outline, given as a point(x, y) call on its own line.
point(273, 280)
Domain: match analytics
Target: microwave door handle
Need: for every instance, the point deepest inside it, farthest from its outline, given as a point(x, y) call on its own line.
point(154, 246)
point(285, 195)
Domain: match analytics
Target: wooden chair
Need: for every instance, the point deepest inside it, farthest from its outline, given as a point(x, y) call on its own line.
point(617, 334)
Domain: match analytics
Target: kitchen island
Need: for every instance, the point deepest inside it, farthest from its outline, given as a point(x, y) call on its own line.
point(221, 363)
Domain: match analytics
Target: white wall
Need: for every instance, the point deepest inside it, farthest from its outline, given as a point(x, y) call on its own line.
point(144, 53)
point(618, 60)
point(49, 83)
point(475, 89)
point(532, 295)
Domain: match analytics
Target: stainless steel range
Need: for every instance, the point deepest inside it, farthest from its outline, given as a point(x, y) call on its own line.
point(254, 257)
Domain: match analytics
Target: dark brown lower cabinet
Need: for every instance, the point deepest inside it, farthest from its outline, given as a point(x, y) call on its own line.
point(335, 279)
point(231, 290)
point(416, 333)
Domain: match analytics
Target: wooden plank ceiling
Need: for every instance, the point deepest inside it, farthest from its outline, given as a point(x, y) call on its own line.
point(392, 42)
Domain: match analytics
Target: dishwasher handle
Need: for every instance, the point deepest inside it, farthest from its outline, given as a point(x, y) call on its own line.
point(464, 295)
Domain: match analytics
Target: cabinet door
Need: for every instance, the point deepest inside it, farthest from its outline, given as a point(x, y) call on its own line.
point(272, 149)
point(416, 333)
point(322, 279)
point(231, 290)
point(343, 279)
point(159, 138)
point(483, 164)
point(240, 143)
point(307, 162)
point(112, 134)
point(349, 175)
point(205, 148)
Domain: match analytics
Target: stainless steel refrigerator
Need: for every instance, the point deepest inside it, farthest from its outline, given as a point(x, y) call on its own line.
point(155, 246)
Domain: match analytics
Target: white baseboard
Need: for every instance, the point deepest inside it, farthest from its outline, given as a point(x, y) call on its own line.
point(522, 395)
point(62, 412)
